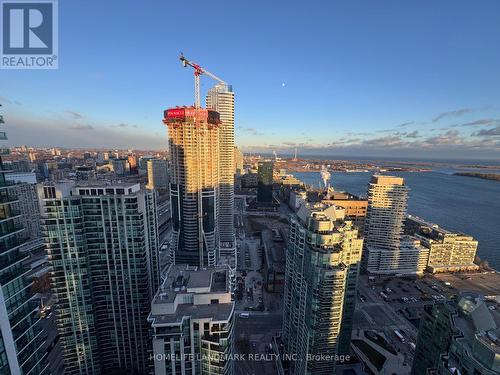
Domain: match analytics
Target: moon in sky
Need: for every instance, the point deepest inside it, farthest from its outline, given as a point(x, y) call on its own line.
point(283, 84)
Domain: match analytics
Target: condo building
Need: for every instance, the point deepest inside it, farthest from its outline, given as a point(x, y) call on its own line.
point(192, 318)
point(21, 335)
point(157, 175)
point(265, 182)
point(24, 188)
point(386, 250)
point(322, 268)
point(102, 243)
point(220, 98)
point(238, 162)
point(464, 338)
point(194, 184)
point(448, 251)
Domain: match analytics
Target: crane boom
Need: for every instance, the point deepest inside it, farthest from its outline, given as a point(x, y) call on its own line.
point(198, 71)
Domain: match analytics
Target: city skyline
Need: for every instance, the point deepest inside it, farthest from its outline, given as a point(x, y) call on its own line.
point(391, 88)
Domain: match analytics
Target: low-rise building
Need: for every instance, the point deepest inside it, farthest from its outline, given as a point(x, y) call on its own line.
point(448, 251)
point(192, 319)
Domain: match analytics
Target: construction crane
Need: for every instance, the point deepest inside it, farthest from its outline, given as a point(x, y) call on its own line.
point(198, 71)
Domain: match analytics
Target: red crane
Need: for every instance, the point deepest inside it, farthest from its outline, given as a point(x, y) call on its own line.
point(198, 71)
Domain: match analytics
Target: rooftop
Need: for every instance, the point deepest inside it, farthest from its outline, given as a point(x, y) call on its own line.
point(188, 291)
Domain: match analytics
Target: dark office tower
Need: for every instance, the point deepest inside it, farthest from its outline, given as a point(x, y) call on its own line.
point(434, 337)
point(193, 138)
point(21, 336)
point(265, 182)
point(220, 98)
point(102, 243)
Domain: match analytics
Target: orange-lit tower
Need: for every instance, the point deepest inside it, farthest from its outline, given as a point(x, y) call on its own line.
point(194, 184)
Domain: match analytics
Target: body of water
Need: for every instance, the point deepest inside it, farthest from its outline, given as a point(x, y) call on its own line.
point(465, 204)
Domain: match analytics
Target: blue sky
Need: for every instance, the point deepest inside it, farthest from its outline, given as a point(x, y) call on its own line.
point(327, 77)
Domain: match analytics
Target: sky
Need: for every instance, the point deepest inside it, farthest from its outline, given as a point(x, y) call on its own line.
point(416, 78)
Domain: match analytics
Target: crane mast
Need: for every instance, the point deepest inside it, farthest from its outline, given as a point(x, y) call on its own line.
point(198, 71)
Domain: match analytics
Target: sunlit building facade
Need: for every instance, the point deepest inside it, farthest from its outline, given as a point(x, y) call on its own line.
point(220, 98)
point(322, 268)
point(193, 136)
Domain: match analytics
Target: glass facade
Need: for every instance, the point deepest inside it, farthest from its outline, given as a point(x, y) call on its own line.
point(21, 335)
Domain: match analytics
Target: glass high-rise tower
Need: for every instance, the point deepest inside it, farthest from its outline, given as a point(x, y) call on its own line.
point(220, 98)
point(102, 242)
point(322, 268)
point(21, 336)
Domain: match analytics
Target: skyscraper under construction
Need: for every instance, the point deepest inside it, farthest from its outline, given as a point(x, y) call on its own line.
point(194, 184)
point(220, 98)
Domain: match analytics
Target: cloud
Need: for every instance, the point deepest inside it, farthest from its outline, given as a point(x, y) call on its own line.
point(484, 121)
point(55, 131)
point(413, 134)
point(5, 100)
point(404, 124)
point(251, 130)
point(494, 132)
point(74, 115)
point(81, 127)
point(124, 125)
point(455, 113)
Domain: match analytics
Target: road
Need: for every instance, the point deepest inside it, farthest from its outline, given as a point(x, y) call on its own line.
point(252, 336)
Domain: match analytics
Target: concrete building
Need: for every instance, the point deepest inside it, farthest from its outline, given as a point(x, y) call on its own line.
point(194, 184)
point(192, 318)
point(322, 268)
point(157, 175)
point(410, 259)
point(464, 338)
point(265, 182)
point(238, 162)
point(384, 252)
point(102, 243)
point(21, 336)
point(220, 98)
point(24, 189)
point(448, 251)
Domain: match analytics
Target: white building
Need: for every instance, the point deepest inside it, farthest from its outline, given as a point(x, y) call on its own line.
point(385, 251)
point(221, 99)
point(192, 319)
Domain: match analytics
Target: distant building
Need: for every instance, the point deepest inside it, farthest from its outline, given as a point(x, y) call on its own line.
point(249, 180)
point(133, 163)
point(355, 207)
point(448, 251)
point(220, 98)
point(322, 268)
point(120, 166)
point(192, 318)
point(27, 202)
point(102, 243)
point(265, 182)
point(157, 175)
point(385, 249)
point(194, 184)
point(460, 338)
point(238, 162)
